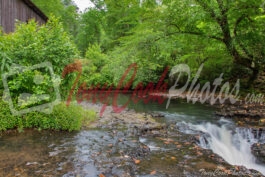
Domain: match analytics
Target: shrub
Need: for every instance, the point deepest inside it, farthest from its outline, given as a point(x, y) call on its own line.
point(32, 44)
point(7, 120)
point(62, 118)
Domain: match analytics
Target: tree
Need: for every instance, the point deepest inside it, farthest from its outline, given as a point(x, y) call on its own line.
point(50, 7)
point(90, 29)
point(227, 36)
point(65, 10)
point(235, 24)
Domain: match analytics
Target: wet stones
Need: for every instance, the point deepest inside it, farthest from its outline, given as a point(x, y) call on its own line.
point(259, 151)
point(156, 114)
point(139, 152)
point(123, 120)
point(244, 114)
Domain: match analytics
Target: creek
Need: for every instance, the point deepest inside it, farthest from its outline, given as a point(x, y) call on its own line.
point(193, 143)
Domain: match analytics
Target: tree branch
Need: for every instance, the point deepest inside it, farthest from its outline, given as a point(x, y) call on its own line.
point(197, 34)
point(209, 10)
point(193, 33)
point(222, 8)
point(238, 21)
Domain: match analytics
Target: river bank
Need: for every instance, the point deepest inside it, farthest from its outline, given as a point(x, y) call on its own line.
point(248, 111)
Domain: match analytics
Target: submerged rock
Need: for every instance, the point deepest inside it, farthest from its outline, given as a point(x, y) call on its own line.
point(259, 151)
point(156, 114)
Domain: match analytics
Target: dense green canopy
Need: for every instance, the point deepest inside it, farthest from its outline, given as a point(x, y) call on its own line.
point(227, 36)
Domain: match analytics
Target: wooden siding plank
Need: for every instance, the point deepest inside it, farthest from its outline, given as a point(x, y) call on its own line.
point(13, 10)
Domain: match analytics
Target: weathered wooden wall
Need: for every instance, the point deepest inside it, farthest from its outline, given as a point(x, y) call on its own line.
point(21, 10)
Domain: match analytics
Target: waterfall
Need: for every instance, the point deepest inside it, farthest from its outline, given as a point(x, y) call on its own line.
point(231, 143)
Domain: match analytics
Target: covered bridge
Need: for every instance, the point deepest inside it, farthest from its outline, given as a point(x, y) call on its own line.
point(19, 10)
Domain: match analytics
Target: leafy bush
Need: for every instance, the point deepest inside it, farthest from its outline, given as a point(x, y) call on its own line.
point(34, 83)
point(32, 44)
point(95, 55)
point(62, 118)
point(7, 120)
point(94, 67)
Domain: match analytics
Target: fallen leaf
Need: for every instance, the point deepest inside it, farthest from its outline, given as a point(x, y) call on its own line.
point(199, 153)
point(170, 140)
point(153, 172)
point(173, 158)
point(137, 161)
point(228, 172)
point(146, 147)
point(101, 175)
point(237, 168)
point(221, 168)
point(196, 147)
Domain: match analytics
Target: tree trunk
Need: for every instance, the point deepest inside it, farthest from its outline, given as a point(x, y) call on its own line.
point(253, 77)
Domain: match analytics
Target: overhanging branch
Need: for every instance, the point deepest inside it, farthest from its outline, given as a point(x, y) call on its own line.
point(238, 21)
point(208, 10)
point(197, 34)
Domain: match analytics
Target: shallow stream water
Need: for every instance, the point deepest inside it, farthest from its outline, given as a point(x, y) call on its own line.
point(90, 153)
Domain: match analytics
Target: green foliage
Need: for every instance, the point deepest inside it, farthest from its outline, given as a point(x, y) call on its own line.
point(64, 10)
point(7, 120)
point(227, 36)
point(94, 76)
point(95, 55)
point(90, 30)
point(62, 118)
point(129, 41)
point(54, 7)
point(231, 25)
point(33, 82)
point(121, 17)
point(32, 44)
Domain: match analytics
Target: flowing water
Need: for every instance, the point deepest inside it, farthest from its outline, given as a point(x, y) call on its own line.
point(230, 142)
point(89, 152)
point(222, 136)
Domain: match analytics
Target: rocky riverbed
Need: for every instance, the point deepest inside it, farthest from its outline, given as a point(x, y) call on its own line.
point(126, 144)
point(161, 150)
point(244, 114)
point(251, 115)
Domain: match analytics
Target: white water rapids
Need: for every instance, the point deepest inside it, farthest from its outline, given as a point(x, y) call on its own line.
point(231, 143)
